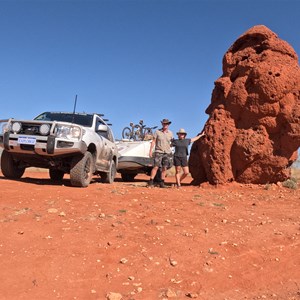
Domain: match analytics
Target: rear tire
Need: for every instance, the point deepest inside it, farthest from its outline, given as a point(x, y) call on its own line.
point(10, 168)
point(56, 175)
point(109, 177)
point(127, 177)
point(82, 170)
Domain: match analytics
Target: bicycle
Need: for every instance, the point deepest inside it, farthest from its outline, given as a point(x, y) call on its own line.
point(137, 132)
point(144, 132)
point(132, 133)
point(148, 131)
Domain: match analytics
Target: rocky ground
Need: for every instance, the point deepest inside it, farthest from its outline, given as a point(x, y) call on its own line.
point(126, 241)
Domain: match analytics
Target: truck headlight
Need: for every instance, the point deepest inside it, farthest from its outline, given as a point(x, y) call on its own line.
point(16, 127)
point(44, 129)
point(68, 132)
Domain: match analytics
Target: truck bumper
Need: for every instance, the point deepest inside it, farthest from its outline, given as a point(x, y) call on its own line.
point(134, 162)
point(42, 145)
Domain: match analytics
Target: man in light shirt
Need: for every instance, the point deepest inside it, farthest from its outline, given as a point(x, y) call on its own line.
point(162, 154)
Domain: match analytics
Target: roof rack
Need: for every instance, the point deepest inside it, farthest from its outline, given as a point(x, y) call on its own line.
point(106, 120)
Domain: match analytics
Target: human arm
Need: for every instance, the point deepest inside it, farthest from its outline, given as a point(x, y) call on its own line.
point(197, 137)
point(152, 145)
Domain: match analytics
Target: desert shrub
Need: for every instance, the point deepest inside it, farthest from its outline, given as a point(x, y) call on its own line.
point(268, 186)
point(291, 183)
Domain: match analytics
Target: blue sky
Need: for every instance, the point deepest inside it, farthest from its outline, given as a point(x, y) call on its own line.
point(131, 60)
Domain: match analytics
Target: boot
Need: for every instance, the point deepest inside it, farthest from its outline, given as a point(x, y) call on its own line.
point(162, 184)
point(150, 183)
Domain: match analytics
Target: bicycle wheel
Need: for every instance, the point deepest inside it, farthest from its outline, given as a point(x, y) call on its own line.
point(126, 133)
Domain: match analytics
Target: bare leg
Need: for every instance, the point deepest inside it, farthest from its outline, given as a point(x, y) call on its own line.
point(153, 172)
point(177, 175)
point(185, 173)
point(163, 173)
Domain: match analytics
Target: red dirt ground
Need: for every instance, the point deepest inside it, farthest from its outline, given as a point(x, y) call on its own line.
point(228, 242)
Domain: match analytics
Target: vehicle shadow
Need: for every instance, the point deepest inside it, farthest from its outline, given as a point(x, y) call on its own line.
point(39, 181)
point(47, 181)
point(135, 180)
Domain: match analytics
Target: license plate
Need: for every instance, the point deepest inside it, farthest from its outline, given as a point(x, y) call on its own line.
point(26, 140)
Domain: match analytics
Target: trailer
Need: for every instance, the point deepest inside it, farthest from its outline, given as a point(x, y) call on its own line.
point(133, 158)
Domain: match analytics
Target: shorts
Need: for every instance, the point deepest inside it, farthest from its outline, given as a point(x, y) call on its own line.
point(163, 160)
point(180, 161)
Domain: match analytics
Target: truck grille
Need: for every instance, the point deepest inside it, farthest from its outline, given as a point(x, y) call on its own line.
point(30, 129)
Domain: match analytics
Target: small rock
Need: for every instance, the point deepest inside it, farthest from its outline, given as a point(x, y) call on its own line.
point(173, 280)
point(192, 295)
point(123, 261)
point(113, 296)
point(131, 278)
point(170, 293)
point(173, 262)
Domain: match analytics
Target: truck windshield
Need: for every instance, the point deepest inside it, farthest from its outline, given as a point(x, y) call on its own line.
point(80, 119)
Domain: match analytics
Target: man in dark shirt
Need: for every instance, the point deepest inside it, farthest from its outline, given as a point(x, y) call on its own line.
point(181, 152)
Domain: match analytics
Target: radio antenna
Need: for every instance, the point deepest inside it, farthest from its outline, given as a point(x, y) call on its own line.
point(75, 104)
point(74, 110)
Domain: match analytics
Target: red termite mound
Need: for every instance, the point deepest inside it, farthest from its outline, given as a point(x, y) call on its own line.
point(253, 130)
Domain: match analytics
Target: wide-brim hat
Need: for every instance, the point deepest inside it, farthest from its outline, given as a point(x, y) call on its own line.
point(182, 131)
point(166, 121)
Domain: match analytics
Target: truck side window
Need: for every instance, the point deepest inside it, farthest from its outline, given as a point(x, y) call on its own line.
point(110, 136)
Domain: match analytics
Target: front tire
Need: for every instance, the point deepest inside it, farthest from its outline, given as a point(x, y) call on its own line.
point(82, 170)
point(9, 167)
point(109, 177)
point(56, 175)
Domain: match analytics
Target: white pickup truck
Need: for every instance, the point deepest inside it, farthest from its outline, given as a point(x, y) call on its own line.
point(78, 144)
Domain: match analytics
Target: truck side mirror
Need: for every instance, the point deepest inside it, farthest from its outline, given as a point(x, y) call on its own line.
point(102, 127)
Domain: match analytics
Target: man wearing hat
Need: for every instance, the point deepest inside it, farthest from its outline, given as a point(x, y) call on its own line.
point(181, 152)
point(162, 155)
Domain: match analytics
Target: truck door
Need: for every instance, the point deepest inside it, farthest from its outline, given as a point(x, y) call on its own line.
point(105, 153)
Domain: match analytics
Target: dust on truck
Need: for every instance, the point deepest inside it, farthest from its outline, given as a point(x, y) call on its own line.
point(78, 144)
